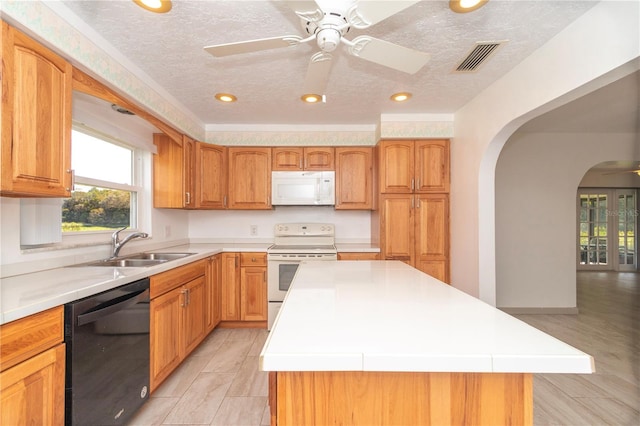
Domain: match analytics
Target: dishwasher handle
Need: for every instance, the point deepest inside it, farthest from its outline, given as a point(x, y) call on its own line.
point(113, 306)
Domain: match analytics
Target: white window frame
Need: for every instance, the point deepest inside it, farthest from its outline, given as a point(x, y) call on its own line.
point(141, 178)
point(612, 230)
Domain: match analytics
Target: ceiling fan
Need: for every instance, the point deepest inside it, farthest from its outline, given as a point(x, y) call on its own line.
point(636, 171)
point(327, 22)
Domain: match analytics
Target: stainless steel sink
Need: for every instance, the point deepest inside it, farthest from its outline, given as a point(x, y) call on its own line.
point(159, 256)
point(140, 260)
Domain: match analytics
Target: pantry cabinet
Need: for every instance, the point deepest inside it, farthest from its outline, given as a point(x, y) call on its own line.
point(303, 158)
point(36, 119)
point(412, 221)
point(409, 166)
point(178, 311)
point(33, 369)
point(354, 178)
point(244, 289)
point(249, 178)
point(414, 229)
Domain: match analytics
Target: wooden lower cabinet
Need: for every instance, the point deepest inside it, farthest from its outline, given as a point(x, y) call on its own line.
point(359, 256)
point(414, 228)
point(214, 292)
point(362, 398)
point(244, 289)
point(178, 318)
point(33, 370)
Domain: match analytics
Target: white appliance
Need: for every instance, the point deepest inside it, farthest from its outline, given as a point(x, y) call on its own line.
point(303, 188)
point(295, 243)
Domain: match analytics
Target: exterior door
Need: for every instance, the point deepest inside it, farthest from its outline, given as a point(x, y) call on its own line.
point(607, 220)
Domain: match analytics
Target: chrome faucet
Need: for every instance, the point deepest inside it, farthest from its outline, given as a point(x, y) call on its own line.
point(116, 244)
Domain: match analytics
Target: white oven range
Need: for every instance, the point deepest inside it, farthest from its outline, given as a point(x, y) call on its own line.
point(295, 243)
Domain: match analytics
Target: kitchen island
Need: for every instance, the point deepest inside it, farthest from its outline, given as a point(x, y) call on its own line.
point(381, 343)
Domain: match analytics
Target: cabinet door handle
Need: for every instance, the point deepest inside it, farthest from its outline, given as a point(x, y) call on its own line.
point(418, 184)
point(184, 297)
point(224, 201)
point(418, 203)
point(413, 202)
point(412, 184)
point(188, 194)
point(73, 180)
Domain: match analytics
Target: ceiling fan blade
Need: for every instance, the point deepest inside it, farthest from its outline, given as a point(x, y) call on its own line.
point(617, 172)
point(306, 9)
point(318, 73)
point(388, 54)
point(370, 12)
point(253, 45)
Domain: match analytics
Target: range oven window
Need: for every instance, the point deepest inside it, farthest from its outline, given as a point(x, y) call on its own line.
point(286, 272)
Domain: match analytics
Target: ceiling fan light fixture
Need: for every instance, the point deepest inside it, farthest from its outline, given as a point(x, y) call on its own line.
point(157, 6)
point(464, 6)
point(400, 97)
point(311, 98)
point(225, 97)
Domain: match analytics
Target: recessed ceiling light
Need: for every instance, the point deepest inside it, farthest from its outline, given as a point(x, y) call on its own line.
point(158, 6)
point(464, 6)
point(400, 97)
point(226, 97)
point(311, 98)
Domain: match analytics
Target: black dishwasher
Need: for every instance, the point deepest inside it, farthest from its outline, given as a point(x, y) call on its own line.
point(107, 362)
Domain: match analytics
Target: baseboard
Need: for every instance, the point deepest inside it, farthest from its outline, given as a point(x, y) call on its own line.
point(541, 311)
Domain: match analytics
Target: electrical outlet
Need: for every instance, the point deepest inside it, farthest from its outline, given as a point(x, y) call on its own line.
point(167, 231)
point(253, 230)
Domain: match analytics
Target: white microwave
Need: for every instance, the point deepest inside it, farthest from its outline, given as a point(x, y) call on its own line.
point(303, 188)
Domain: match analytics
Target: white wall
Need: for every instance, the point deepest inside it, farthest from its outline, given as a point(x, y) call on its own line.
point(537, 176)
point(351, 225)
point(600, 47)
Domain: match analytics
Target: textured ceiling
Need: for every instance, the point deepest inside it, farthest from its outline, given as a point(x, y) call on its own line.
point(169, 49)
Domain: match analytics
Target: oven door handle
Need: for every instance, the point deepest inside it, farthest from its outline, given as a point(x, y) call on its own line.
point(112, 306)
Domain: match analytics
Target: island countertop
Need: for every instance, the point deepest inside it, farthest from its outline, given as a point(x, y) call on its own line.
point(388, 316)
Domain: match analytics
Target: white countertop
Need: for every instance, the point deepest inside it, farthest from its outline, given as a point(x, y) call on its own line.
point(387, 316)
point(27, 294)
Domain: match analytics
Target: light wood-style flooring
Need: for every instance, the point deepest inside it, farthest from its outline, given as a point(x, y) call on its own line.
point(608, 328)
point(219, 384)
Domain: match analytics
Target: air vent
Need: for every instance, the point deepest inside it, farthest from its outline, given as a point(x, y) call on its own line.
point(121, 110)
point(478, 55)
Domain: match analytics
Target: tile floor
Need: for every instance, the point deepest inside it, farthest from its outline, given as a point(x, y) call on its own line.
point(219, 384)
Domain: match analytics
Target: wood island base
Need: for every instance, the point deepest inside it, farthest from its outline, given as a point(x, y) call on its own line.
point(399, 398)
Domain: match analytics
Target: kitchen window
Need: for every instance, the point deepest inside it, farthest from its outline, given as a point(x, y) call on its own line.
point(107, 191)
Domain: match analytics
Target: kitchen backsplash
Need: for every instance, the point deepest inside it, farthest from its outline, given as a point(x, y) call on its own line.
point(352, 226)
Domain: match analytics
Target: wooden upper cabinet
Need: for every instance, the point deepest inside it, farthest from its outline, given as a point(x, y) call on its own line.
point(319, 158)
point(354, 178)
point(432, 166)
point(210, 176)
point(249, 178)
point(36, 119)
point(189, 170)
point(414, 166)
point(168, 173)
point(299, 158)
point(396, 170)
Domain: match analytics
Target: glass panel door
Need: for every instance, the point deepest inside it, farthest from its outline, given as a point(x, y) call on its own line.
point(627, 216)
point(593, 229)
